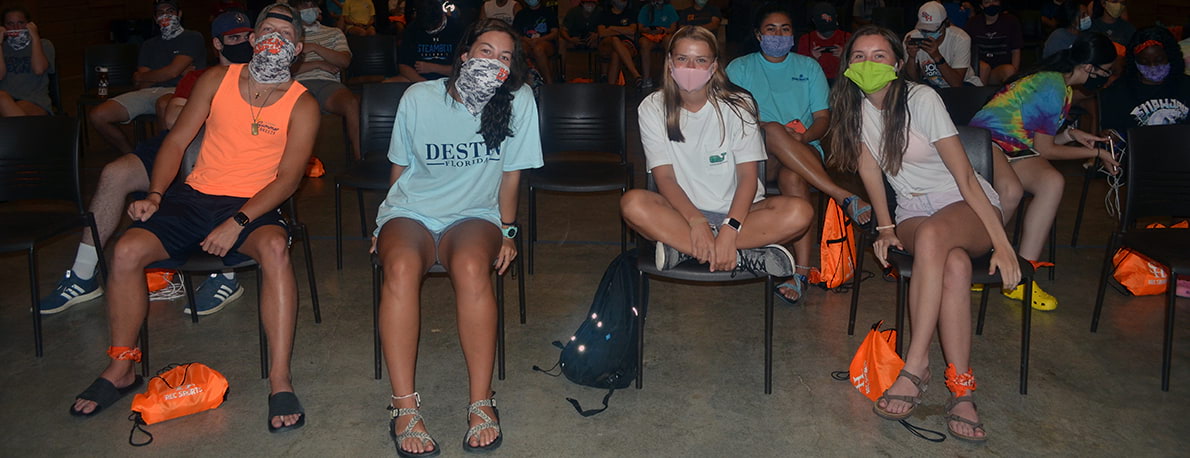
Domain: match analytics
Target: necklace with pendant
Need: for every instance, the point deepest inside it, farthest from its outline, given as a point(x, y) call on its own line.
point(256, 114)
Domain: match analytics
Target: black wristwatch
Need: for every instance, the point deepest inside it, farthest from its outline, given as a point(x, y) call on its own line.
point(241, 219)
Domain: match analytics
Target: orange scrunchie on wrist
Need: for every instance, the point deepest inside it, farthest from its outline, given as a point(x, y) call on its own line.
point(124, 353)
point(958, 384)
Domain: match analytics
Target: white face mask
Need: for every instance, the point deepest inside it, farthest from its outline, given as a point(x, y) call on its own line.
point(478, 80)
point(271, 57)
point(589, 7)
point(17, 39)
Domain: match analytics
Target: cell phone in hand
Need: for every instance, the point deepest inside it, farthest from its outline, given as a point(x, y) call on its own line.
point(826, 49)
point(916, 41)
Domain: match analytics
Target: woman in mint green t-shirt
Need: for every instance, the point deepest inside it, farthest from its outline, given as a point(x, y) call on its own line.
point(458, 146)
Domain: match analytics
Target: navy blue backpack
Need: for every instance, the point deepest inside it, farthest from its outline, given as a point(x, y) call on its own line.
point(602, 353)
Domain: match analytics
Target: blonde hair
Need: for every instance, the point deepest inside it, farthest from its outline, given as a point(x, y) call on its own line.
point(719, 88)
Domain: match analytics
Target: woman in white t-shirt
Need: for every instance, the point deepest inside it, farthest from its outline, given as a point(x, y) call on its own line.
point(702, 146)
point(945, 214)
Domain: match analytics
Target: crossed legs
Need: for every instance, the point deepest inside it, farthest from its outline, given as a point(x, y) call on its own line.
point(940, 296)
point(467, 250)
point(799, 166)
point(619, 55)
point(776, 219)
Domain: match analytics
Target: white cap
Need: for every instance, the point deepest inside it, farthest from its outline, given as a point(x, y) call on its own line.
point(930, 16)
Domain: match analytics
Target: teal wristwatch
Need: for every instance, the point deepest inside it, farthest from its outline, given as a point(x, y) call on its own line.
point(509, 231)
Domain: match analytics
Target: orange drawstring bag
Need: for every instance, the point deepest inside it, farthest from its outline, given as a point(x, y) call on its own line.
point(837, 249)
point(876, 363)
point(1139, 274)
point(176, 391)
point(158, 279)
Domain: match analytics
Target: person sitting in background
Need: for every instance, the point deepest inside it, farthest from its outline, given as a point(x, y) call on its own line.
point(429, 44)
point(129, 173)
point(702, 14)
point(825, 42)
point(998, 40)
point(658, 20)
point(940, 53)
point(617, 41)
point(959, 12)
point(1052, 12)
point(26, 61)
point(1075, 18)
point(162, 62)
point(1154, 90)
point(324, 57)
point(1110, 17)
point(581, 25)
point(713, 211)
point(790, 91)
point(1028, 114)
point(504, 10)
point(539, 33)
point(359, 17)
point(861, 12)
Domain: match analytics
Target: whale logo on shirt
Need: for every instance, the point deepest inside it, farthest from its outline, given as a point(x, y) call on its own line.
point(716, 159)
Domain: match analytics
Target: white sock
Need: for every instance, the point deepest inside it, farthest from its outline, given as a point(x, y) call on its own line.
point(230, 275)
point(85, 262)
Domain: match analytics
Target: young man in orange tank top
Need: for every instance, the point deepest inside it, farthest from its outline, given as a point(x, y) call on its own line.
point(263, 117)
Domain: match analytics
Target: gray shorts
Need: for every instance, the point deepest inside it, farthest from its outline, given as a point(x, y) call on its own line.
point(437, 235)
point(322, 90)
point(713, 218)
point(142, 101)
point(929, 203)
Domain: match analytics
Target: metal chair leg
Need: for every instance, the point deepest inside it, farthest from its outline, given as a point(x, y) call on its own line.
point(857, 280)
point(188, 285)
point(338, 226)
point(768, 335)
point(305, 236)
point(642, 288)
point(500, 325)
point(532, 226)
point(264, 342)
point(377, 280)
point(902, 300)
point(1167, 346)
point(1026, 330)
point(1113, 242)
point(1088, 175)
point(983, 309)
point(33, 290)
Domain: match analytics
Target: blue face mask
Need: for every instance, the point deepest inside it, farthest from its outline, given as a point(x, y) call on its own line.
point(931, 35)
point(532, 3)
point(1084, 23)
point(992, 10)
point(776, 45)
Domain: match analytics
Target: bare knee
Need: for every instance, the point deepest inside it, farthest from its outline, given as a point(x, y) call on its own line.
point(636, 203)
point(791, 184)
point(107, 112)
point(123, 174)
point(927, 240)
point(796, 213)
point(273, 250)
point(468, 268)
point(130, 254)
point(957, 270)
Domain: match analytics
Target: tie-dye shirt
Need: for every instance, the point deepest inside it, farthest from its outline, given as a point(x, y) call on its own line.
point(1032, 105)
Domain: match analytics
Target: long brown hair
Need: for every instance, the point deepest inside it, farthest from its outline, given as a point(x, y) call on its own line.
point(719, 88)
point(846, 102)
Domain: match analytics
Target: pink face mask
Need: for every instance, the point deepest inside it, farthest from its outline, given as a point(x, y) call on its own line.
point(691, 79)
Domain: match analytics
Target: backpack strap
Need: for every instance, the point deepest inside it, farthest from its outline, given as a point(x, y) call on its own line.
point(588, 413)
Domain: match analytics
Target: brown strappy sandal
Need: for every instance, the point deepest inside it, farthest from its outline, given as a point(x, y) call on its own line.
point(963, 387)
point(922, 384)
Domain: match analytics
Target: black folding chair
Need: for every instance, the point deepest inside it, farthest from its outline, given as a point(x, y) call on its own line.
point(699, 273)
point(39, 192)
point(1158, 186)
point(585, 145)
point(372, 58)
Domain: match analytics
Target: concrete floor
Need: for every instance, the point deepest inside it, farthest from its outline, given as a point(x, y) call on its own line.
point(1090, 394)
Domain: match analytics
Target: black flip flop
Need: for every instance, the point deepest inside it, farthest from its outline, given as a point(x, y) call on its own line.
point(285, 403)
point(103, 393)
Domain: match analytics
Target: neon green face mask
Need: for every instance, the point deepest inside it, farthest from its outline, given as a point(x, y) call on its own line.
point(870, 76)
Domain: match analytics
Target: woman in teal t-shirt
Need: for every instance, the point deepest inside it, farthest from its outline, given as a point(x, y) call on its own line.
point(1028, 114)
point(458, 146)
